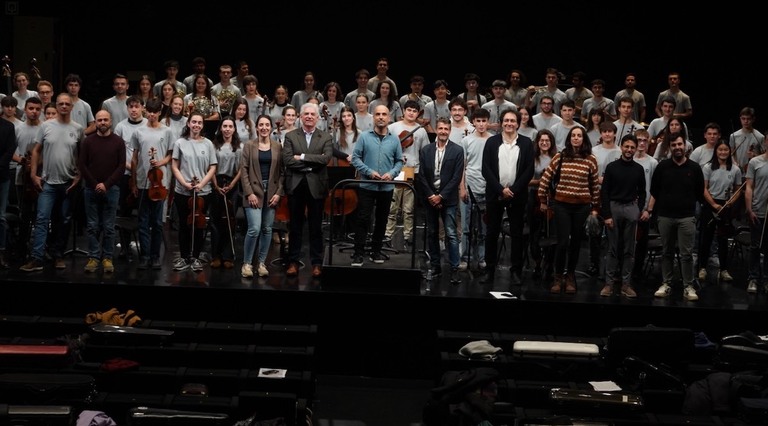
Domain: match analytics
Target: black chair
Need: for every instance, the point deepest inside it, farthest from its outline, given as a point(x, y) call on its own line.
point(740, 242)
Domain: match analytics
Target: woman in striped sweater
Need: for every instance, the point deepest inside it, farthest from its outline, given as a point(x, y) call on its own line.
point(573, 175)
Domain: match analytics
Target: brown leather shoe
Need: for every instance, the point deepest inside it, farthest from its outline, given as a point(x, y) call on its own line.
point(570, 283)
point(317, 270)
point(557, 285)
point(293, 270)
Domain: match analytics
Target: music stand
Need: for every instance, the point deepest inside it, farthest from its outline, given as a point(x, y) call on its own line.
point(478, 215)
point(347, 182)
point(78, 210)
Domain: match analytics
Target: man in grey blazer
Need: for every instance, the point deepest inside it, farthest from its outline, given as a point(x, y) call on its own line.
point(306, 152)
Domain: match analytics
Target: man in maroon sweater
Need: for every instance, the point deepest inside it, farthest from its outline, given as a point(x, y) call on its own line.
point(101, 161)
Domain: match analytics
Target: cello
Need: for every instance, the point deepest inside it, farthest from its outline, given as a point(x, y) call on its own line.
point(282, 213)
point(156, 191)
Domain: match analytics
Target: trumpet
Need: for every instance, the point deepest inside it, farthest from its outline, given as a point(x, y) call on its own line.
point(537, 89)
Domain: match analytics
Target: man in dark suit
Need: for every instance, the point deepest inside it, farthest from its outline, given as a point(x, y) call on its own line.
point(306, 152)
point(441, 168)
point(507, 169)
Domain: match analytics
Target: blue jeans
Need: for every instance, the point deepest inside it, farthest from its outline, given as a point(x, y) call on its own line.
point(52, 196)
point(150, 226)
point(478, 248)
point(100, 212)
point(448, 215)
point(265, 236)
point(253, 217)
point(4, 187)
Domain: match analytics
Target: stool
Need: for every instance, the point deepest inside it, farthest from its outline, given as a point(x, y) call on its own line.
point(741, 240)
point(281, 229)
point(127, 226)
point(654, 252)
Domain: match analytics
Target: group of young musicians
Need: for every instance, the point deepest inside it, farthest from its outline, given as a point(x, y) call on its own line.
point(189, 160)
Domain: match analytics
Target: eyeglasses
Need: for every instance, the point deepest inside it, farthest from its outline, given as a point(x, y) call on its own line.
point(642, 139)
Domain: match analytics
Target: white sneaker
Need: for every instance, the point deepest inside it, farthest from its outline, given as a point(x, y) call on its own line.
point(663, 291)
point(689, 293)
point(725, 275)
point(703, 274)
point(247, 270)
point(752, 287)
point(482, 264)
point(180, 264)
point(263, 272)
point(197, 265)
point(462, 265)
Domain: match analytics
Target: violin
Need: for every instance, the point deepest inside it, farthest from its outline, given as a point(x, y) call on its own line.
point(196, 217)
point(406, 137)
point(266, 105)
point(279, 132)
point(156, 191)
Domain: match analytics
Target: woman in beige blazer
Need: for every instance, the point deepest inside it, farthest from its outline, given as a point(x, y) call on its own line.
point(262, 177)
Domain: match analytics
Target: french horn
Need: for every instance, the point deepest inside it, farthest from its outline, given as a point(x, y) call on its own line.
point(203, 105)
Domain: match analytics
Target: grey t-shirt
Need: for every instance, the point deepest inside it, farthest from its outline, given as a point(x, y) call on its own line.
point(195, 158)
point(59, 142)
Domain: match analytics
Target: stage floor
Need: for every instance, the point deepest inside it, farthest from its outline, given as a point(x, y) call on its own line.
point(378, 320)
point(404, 263)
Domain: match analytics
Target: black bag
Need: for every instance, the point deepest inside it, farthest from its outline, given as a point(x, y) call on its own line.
point(753, 410)
point(47, 389)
